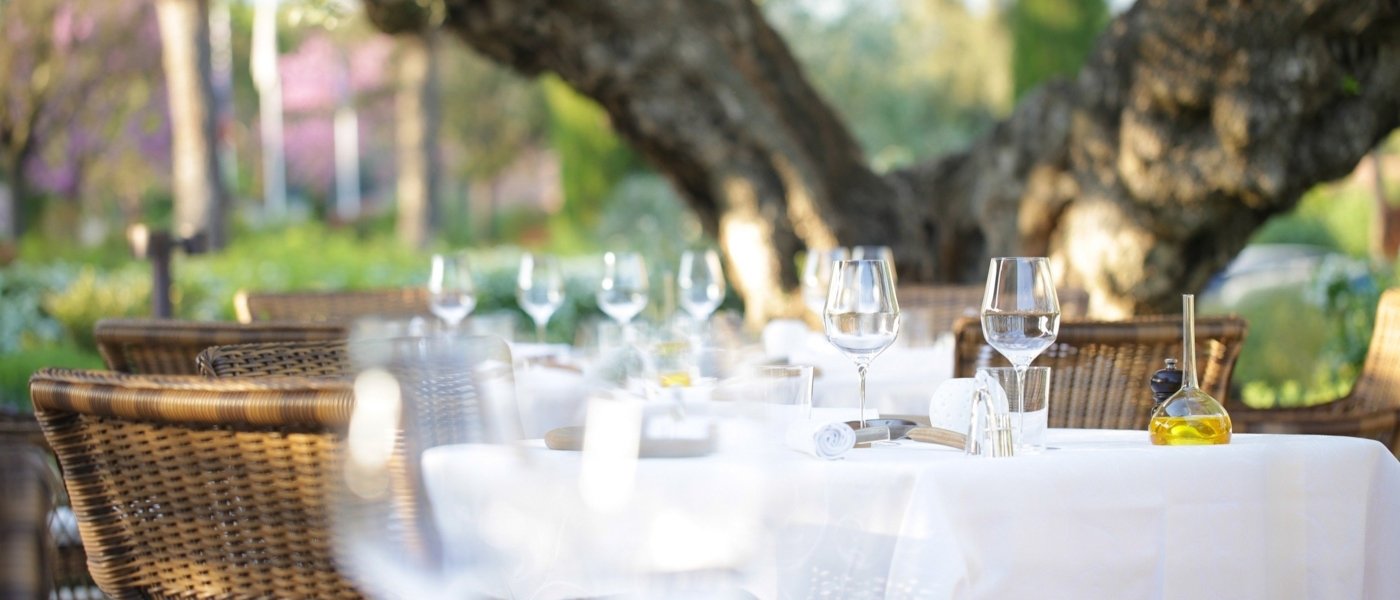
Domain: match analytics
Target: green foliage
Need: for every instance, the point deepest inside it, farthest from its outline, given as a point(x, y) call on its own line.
point(1281, 362)
point(592, 158)
point(94, 295)
point(1052, 38)
point(1334, 217)
point(23, 322)
point(911, 79)
point(16, 367)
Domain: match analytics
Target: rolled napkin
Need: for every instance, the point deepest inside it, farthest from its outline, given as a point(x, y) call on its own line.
point(828, 440)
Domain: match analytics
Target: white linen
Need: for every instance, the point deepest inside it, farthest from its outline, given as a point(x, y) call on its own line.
point(1103, 514)
point(901, 380)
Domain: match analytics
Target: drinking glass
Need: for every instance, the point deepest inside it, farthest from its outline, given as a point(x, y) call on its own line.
point(876, 253)
point(816, 276)
point(623, 292)
point(417, 396)
point(1034, 415)
point(450, 288)
point(861, 314)
point(539, 288)
point(1020, 318)
point(701, 283)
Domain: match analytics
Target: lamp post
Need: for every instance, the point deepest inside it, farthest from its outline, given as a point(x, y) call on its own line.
point(158, 246)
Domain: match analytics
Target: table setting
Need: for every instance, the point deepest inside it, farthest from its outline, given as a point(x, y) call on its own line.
point(668, 480)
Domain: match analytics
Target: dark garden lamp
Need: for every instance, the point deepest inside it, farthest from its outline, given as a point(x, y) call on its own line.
point(159, 246)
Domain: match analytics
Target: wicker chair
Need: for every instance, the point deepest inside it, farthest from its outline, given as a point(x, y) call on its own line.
point(191, 487)
point(309, 359)
point(937, 307)
point(25, 543)
point(1369, 410)
point(330, 307)
point(169, 347)
point(1101, 368)
point(62, 550)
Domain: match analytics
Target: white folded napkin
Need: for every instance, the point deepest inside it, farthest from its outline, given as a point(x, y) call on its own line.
point(828, 440)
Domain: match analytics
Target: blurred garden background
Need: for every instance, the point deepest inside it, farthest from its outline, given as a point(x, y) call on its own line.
point(85, 132)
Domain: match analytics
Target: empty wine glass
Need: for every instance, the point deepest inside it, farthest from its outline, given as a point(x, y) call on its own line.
point(539, 288)
point(861, 314)
point(816, 276)
point(876, 253)
point(1020, 316)
point(451, 291)
point(623, 292)
point(701, 283)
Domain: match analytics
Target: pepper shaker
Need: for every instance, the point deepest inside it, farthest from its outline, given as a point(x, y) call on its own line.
point(1165, 382)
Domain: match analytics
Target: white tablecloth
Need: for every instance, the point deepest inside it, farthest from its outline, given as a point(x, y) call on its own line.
point(901, 379)
point(1105, 515)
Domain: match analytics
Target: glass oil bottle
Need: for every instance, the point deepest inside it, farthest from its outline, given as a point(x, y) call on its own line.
point(1190, 417)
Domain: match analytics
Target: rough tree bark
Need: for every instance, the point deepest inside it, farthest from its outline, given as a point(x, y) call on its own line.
point(201, 196)
point(416, 24)
point(1192, 122)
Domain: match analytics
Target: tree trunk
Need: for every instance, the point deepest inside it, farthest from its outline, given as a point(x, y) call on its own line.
point(1190, 124)
point(201, 198)
point(13, 205)
point(417, 124)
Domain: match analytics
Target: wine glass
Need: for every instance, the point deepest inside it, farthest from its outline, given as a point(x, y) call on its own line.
point(539, 288)
point(1020, 316)
point(623, 292)
point(876, 253)
point(701, 283)
point(451, 292)
point(861, 314)
point(816, 276)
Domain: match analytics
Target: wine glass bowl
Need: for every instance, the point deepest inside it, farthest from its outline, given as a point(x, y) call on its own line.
point(871, 252)
point(622, 294)
point(861, 314)
point(1020, 316)
point(816, 276)
point(452, 294)
point(539, 289)
point(701, 283)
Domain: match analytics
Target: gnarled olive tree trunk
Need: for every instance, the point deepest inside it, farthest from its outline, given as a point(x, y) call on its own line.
point(1191, 123)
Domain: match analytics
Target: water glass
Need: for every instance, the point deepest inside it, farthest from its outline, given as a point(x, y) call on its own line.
point(876, 253)
point(452, 294)
point(786, 389)
point(701, 283)
point(622, 293)
point(816, 276)
point(539, 289)
point(1030, 421)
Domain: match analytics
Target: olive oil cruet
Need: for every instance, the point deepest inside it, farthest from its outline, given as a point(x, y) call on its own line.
point(1190, 416)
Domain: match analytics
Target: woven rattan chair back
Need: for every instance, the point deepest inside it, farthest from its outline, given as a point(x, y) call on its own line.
point(169, 347)
point(193, 487)
point(25, 504)
point(331, 307)
point(1101, 368)
point(279, 359)
point(1378, 386)
point(935, 308)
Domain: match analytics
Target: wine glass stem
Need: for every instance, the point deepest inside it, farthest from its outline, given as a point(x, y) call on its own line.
point(861, 370)
point(539, 331)
point(1020, 400)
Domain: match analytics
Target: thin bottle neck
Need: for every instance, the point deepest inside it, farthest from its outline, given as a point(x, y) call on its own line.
point(1188, 345)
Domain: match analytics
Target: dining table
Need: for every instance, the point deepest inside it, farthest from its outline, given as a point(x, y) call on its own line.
point(1099, 514)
